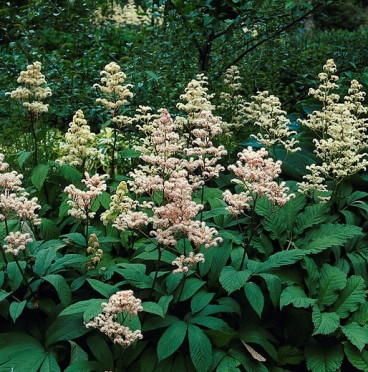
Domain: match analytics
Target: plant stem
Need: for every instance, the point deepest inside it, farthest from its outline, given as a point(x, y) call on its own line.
point(24, 276)
point(35, 144)
point(112, 170)
point(182, 287)
point(156, 272)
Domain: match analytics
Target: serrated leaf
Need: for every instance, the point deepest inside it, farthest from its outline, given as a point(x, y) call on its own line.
point(48, 229)
point(332, 280)
point(280, 259)
point(359, 359)
point(171, 339)
point(191, 286)
point(327, 236)
point(103, 288)
point(19, 351)
point(255, 297)
point(323, 357)
point(153, 308)
point(361, 315)
point(61, 287)
point(77, 353)
point(232, 280)
point(356, 334)
point(227, 364)
point(14, 275)
point(324, 323)
point(39, 175)
point(70, 173)
point(23, 156)
point(200, 300)
point(290, 355)
point(77, 238)
point(85, 366)
point(351, 297)
point(211, 323)
point(44, 259)
point(200, 349)
point(16, 308)
point(312, 215)
point(273, 284)
point(294, 295)
point(50, 364)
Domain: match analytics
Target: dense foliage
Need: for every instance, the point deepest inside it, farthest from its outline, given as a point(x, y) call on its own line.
point(182, 187)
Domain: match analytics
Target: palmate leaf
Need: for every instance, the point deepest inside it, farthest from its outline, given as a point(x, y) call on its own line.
point(200, 300)
point(356, 334)
point(171, 339)
point(332, 280)
point(312, 279)
point(323, 358)
point(327, 236)
point(359, 359)
point(292, 209)
point(20, 352)
point(61, 287)
point(351, 297)
point(273, 284)
point(200, 348)
point(324, 323)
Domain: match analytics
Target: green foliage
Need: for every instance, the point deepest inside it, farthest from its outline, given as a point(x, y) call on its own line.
point(286, 287)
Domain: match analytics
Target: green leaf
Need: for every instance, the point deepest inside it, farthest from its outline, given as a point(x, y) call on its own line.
point(361, 315)
point(93, 309)
point(255, 297)
point(324, 323)
point(296, 296)
point(279, 259)
point(356, 334)
point(351, 297)
point(39, 175)
point(14, 275)
point(332, 280)
point(212, 323)
point(77, 354)
point(50, 364)
point(327, 236)
point(290, 355)
point(65, 328)
point(61, 287)
point(152, 75)
point(323, 357)
point(16, 308)
point(200, 300)
point(359, 359)
point(273, 284)
point(153, 308)
point(20, 352)
point(44, 259)
point(77, 238)
point(292, 209)
point(200, 349)
point(171, 339)
point(23, 156)
point(70, 173)
point(103, 288)
point(101, 351)
point(48, 229)
point(227, 364)
point(312, 215)
point(191, 286)
point(232, 280)
point(164, 302)
point(80, 307)
point(129, 153)
point(85, 366)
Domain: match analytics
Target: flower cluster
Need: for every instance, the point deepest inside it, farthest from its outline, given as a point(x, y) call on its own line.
point(265, 112)
point(256, 175)
point(122, 302)
point(14, 200)
point(115, 92)
point(128, 14)
point(94, 250)
point(81, 201)
point(16, 242)
point(184, 264)
point(342, 134)
point(78, 148)
point(233, 102)
point(33, 92)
